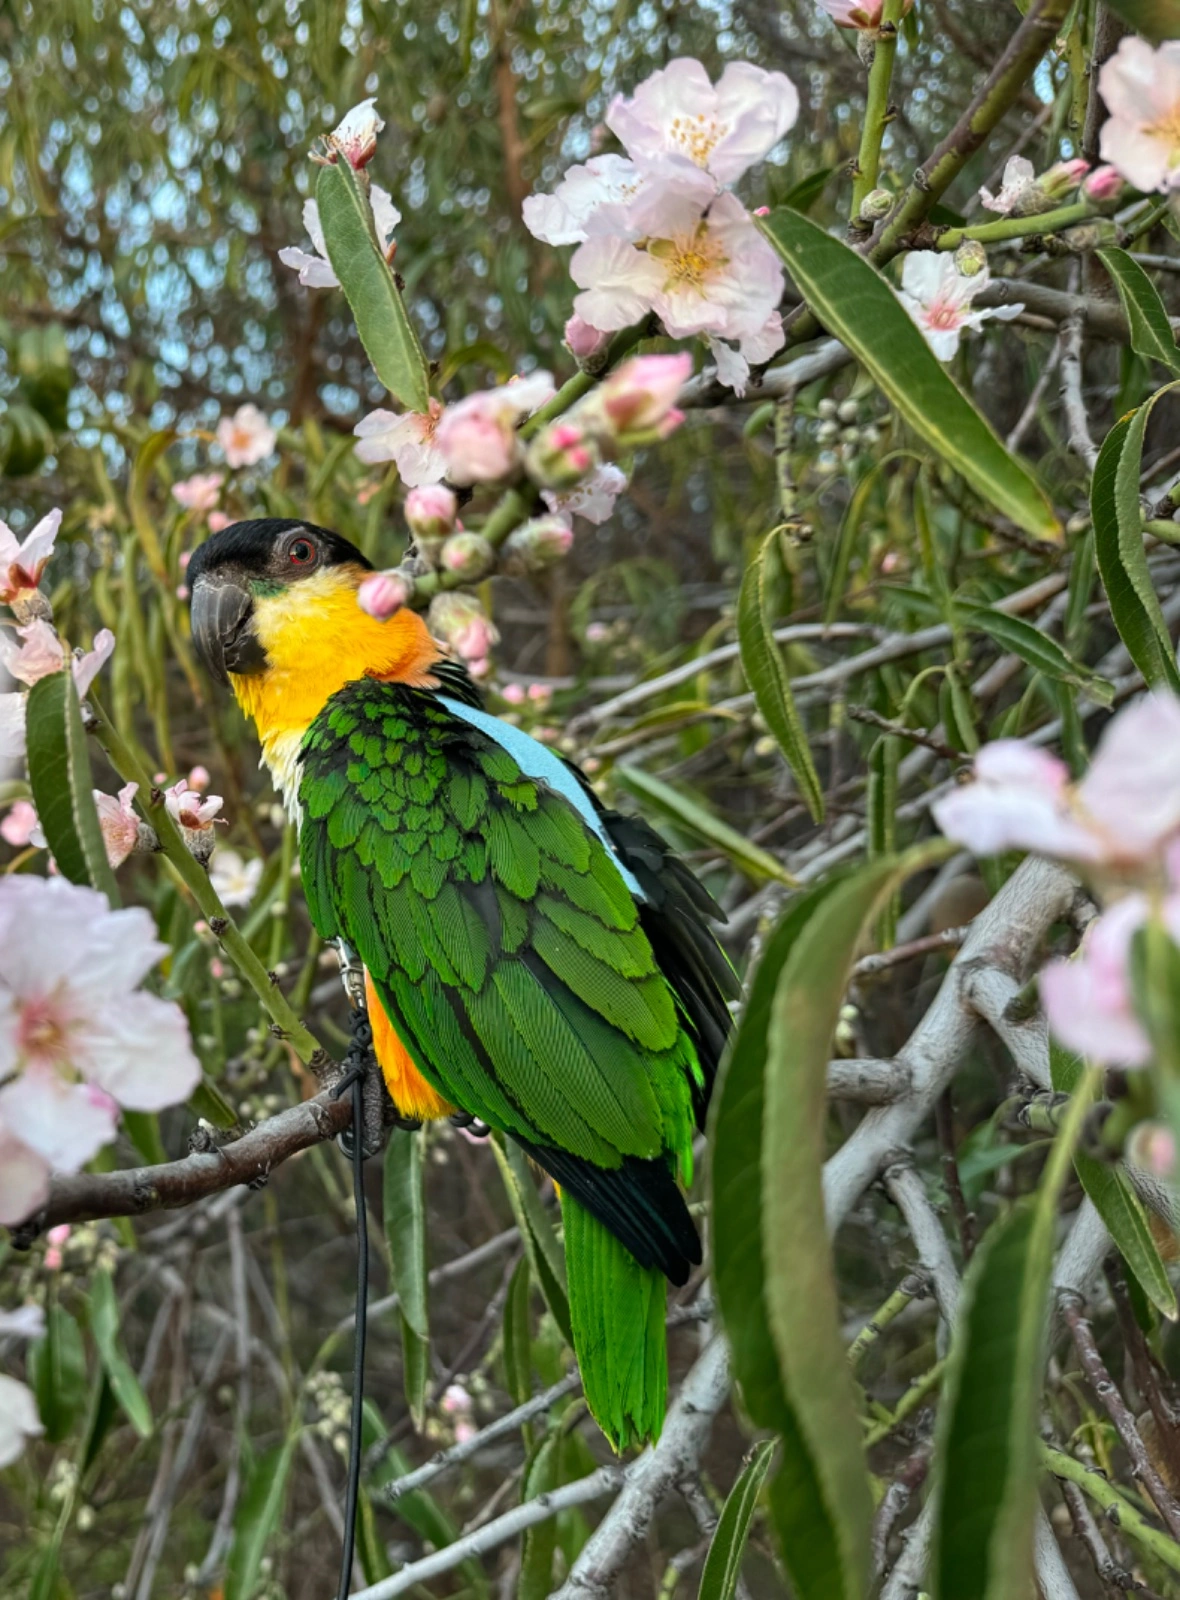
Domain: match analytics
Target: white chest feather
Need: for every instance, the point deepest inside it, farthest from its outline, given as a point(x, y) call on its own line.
point(280, 756)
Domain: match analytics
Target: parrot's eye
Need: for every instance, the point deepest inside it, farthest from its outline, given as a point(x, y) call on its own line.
point(301, 552)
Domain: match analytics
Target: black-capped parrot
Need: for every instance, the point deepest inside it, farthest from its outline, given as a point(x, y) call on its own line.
point(531, 958)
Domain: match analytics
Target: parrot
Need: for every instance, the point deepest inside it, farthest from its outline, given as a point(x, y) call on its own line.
point(531, 958)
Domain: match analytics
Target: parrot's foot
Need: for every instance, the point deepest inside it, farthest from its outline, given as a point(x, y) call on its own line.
point(470, 1125)
point(360, 1066)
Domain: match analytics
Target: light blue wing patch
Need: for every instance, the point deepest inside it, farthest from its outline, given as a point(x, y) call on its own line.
point(536, 760)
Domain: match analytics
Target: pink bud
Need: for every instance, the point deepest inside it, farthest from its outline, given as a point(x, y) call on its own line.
point(59, 1234)
point(639, 397)
point(513, 693)
point(218, 520)
point(356, 136)
point(479, 443)
point(53, 1259)
point(584, 340)
point(20, 825)
point(468, 555)
point(540, 693)
point(539, 543)
point(761, 211)
point(384, 593)
point(1104, 183)
point(431, 511)
point(198, 778)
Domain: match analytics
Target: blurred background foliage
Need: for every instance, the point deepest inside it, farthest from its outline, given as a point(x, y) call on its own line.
point(153, 161)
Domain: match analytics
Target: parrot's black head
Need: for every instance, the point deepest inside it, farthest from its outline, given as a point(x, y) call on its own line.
point(252, 564)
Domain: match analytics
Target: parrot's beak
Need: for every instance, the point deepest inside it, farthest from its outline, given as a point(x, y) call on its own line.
point(223, 626)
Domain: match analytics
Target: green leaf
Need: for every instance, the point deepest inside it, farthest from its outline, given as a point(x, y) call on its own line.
point(139, 504)
point(801, 1301)
point(1117, 1203)
point(767, 675)
point(1021, 639)
point(723, 1564)
point(543, 1248)
point(1151, 330)
point(1155, 19)
point(987, 1426)
point(369, 286)
point(143, 1129)
point(63, 789)
point(856, 304)
point(516, 1337)
point(57, 1373)
point(405, 1234)
point(258, 1516)
point(1118, 547)
point(104, 1325)
point(542, 1475)
point(690, 814)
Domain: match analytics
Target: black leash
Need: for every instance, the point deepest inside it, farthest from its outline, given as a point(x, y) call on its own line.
point(355, 1065)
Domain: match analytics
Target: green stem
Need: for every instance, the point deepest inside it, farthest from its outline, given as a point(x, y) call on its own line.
point(582, 382)
point(509, 511)
point(1018, 227)
point(908, 1404)
point(1121, 1512)
point(1145, 223)
point(196, 881)
point(901, 1297)
point(868, 160)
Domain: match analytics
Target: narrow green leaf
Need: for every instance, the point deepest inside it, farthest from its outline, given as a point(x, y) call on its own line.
point(1019, 637)
point(1118, 547)
point(57, 1373)
point(542, 1475)
point(1151, 329)
point(723, 1565)
point(988, 1447)
point(104, 1325)
point(405, 1234)
point(143, 1129)
point(858, 306)
point(542, 1246)
point(850, 526)
point(1117, 1203)
point(767, 675)
point(801, 1300)
point(63, 789)
point(516, 1337)
point(147, 458)
point(370, 287)
point(258, 1517)
point(690, 814)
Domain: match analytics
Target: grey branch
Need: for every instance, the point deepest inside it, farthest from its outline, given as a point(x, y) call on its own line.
point(659, 1469)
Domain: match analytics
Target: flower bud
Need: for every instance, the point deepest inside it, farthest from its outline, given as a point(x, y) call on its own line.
point(1062, 178)
point(971, 258)
point(384, 593)
point(461, 623)
point(827, 409)
point(848, 411)
point(1097, 235)
point(355, 138)
point(468, 556)
point(584, 341)
point(430, 512)
point(637, 401)
point(876, 204)
point(539, 543)
point(1151, 1147)
point(1104, 183)
point(561, 455)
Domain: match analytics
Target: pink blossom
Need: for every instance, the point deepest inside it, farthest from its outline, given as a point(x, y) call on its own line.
point(314, 269)
point(355, 137)
point(39, 653)
point(246, 437)
point(199, 778)
point(408, 440)
point(700, 273)
point(640, 396)
point(733, 365)
point(583, 341)
point(200, 492)
point(119, 823)
point(513, 693)
point(87, 667)
point(23, 562)
point(1104, 183)
point(1141, 137)
point(218, 520)
point(1124, 813)
point(12, 727)
point(477, 435)
point(188, 809)
point(1023, 194)
point(235, 879)
point(455, 1399)
point(430, 511)
point(1151, 1147)
point(679, 125)
point(591, 197)
point(70, 1010)
point(938, 297)
point(19, 1420)
point(381, 594)
point(461, 623)
point(1088, 999)
point(593, 499)
point(540, 694)
point(20, 826)
point(862, 14)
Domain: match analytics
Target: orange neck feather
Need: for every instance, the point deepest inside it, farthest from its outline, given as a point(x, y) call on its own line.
point(317, 639)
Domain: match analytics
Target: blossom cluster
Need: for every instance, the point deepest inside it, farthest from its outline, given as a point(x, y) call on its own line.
point(1120, 826)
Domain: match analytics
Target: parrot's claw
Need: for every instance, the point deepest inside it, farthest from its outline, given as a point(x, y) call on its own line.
point(360, 1066)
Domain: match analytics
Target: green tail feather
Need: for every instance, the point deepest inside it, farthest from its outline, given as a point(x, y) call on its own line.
point(617, 1310)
